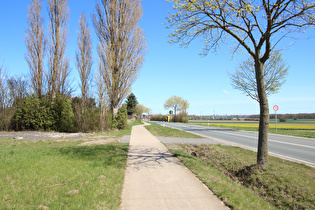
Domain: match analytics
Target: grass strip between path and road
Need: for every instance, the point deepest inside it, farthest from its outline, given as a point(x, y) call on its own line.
point(230, 172)
point(158, 130)
point(62, 175)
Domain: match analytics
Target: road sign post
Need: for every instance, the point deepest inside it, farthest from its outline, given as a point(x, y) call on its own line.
point(276, 108)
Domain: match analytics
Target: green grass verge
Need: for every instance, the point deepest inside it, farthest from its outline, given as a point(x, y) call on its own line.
point(158, 130)
point(62, 175)
point(120, 133)
point(45, 173)
point(231, 193)
point(283, 184)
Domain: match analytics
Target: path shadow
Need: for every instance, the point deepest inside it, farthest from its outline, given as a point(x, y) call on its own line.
point(150, 158)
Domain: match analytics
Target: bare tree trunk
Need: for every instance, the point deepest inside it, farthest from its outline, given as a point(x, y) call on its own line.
point(262, 154)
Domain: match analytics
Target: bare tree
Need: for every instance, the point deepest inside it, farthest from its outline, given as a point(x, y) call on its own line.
point(84, 58)
point(18, 89)
point(275, 71)
point(3, 90)
point(121, 46)
point(58, 13)
point(6, 113)
point(255, 26)
point(102, 97)
point(36, 46)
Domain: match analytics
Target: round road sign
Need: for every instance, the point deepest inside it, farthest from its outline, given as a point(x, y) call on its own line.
point(276, 108)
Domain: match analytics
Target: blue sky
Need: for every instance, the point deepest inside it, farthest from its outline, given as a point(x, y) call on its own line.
point(170, 70)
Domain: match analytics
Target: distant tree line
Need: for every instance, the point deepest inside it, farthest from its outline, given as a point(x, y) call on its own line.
point(43, 99)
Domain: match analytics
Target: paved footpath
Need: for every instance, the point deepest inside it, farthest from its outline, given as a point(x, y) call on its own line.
point(155, 179)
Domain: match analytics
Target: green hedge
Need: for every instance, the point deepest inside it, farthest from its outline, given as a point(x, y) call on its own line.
point(40, 114)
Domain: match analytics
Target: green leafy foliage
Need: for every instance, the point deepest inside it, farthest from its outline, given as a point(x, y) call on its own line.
point(159, 117)
point(33, 114)
point(40, 114)
point(63, 114)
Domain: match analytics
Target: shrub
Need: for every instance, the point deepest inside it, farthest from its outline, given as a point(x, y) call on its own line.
point(63, 114)
point(33, 114)
point(282, 119)
point(181, 117)
point(159, 117)
point(120, 121)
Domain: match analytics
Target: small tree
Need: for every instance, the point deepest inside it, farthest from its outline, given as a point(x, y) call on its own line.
point(275, 71)
point(140, 109)
point(131, 104)
point(176, 103)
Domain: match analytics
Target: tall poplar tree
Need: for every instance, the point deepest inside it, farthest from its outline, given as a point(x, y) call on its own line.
point(84, 58)
point(58, 64)
point(36, 43)
point(121, 47)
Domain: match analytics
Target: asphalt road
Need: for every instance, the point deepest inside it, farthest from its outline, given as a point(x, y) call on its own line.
point(292, 148)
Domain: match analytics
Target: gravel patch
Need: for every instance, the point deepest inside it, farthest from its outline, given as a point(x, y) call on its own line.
point(35, 136)
point(124, 139)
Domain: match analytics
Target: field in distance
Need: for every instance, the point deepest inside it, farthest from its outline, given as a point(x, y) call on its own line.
point(300, 127)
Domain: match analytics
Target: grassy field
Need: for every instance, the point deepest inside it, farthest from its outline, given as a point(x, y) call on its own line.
point(158, 130)
point(302, 128)
point(230, 173)
point(62, 175)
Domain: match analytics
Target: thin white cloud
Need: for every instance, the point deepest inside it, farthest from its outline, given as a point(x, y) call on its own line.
point(226, 92)
point(293, 99)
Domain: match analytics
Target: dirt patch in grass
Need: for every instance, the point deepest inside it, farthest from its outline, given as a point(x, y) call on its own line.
point(35, 136)
point(282, 183)
point(45, 136)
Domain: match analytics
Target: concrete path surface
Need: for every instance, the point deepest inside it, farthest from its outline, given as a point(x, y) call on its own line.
point(155, 179)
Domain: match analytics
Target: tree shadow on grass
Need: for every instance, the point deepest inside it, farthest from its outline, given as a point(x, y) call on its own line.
point(113, 155)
